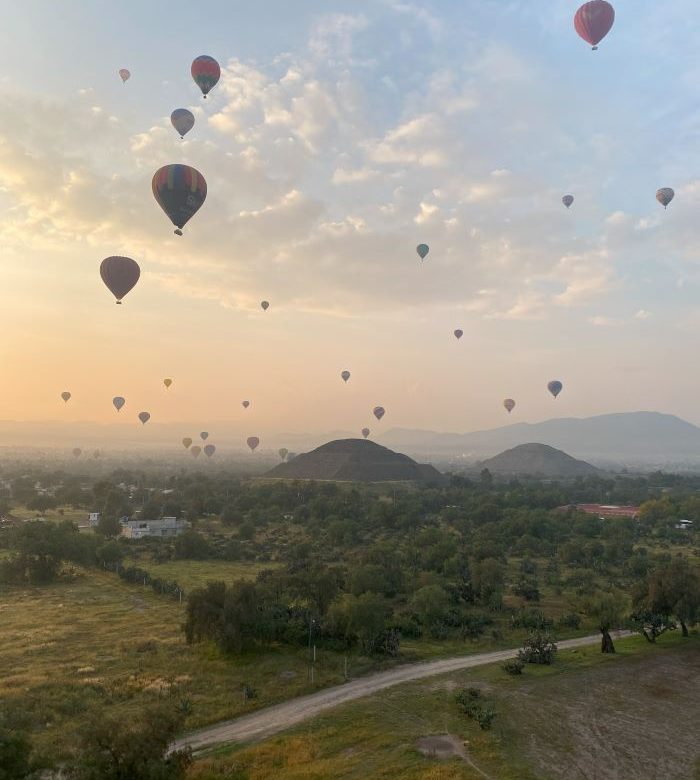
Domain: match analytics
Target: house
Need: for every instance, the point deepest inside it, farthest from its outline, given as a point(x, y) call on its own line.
point(685, 525)
point(166, 527)
point(93, 519)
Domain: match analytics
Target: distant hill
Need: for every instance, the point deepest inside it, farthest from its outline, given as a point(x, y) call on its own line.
point(538, 460)
point(355, 460)
point(631, 437)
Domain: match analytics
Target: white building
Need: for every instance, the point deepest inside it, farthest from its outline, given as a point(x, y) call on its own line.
point(93, 519)
point(166, 527)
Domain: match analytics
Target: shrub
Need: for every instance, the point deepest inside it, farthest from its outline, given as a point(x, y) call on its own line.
point(514, 666)
point(539, 648)
point(471, 704)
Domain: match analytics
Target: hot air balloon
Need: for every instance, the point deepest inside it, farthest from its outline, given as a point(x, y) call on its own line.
point(167, 382)
point(180, 192)
point(252, 442)
point(77, 452)
point(422, 250)
point(204, 435)
point(458, 334)
point(378, 412)
point(567, 200)
point(144, 417)
point(120, 274)
point(124, 74)
point(264, 305)
point(66, 396)
point(665, 196)
point(509, 404)
point(593, 21)
point(283, 452)
point(246, 404)
point(345, 375)
point(187, 442)
point(555, 387)
point(209, 450)
point(118, 402)
point(182, 120)
point(195, 451)
point(206, 73)
point(365, 432)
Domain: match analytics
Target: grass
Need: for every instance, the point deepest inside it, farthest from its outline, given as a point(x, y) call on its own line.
point(376, 737)
point(195, 574)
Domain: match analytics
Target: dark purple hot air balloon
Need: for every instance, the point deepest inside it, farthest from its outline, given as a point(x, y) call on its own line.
point(180, 191)
point(120, 274)
point(144, 417)
point(509, 404)
point(555, 387)
point(593, 21)
point(378, 412)
point(459, 333)
point(209, 450)
point(252, 442)
point(567, 200)
point(365, 432)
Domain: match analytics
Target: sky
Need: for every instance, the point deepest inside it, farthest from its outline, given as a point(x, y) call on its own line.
point(340, 136)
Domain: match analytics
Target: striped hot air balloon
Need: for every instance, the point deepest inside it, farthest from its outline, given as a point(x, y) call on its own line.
point(594, 20)
point(180, 191)
point(206, 73)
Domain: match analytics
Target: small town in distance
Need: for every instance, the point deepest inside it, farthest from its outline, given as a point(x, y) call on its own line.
point(349, 422)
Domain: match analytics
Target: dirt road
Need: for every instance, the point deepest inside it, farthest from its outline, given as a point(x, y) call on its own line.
point(264, 723)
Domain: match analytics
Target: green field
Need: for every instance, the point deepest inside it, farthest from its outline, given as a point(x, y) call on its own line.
point(195, 574)
point(588, 715)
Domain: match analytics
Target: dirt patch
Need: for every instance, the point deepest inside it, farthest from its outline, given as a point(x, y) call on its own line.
point(442, 747)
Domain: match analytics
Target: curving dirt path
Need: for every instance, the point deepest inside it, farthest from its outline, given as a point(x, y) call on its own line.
point(271, 720)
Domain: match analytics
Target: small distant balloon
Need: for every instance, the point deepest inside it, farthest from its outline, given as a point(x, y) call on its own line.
point(195, 451)
point(593, 21)
point(120, 274)
point(204, 435)
point(365, 432)
point(206, 73)
point(264, 305)
point(422, 250)
point(180, 191)
point(124, 74)
point(283, 452)
point(378, 412)
point(77, 452)
point(144, 417)
point(252, 442)
point(182, 120)
point(209, 450)
point(509, 404)
point(66, 396)
point(345, 375)
point(567, 200)
point(118, 402)
point(167, 382)
point(458, 334)
point(555, 387)
point(665, 196)
point(246, 404)
point(187, 442)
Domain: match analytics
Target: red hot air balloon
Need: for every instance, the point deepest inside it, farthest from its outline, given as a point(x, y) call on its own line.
point(252, 442)
point(209, 450)
point(378, 412)
point(120, 274)
point(459, 333)
point(144, 417)
point(594, 20)
point(365, 432)
point(206, 73)
point(180, 191)
point(509, 405)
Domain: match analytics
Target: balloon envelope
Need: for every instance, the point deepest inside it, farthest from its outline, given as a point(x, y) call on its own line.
point(205, 72)
point(196, 450)
point(66, 396)
point(209, 450)
point(124, 74)
point(378, 412)
point(252, 442)
point(567, 200)
point(365, 432)
point(246, 404)
point(509, 404)
point(118, 402)
point(144, 417)
point(182, 120)
point(594, 20)
point(167, 382)
point(555, 387)
point(422, 250)
point(265, 305)
point(459, 333)
point(180, 191)
point(187, 442)
point(283, 452)
point(77, 452)
point(204, 435)
point(345, 375)
point(665, 196)
point(120, 274)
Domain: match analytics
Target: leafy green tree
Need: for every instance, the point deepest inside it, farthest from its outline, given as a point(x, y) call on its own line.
point(359, 618)
point(672, 591)
point(607, 610)
point(192, 545)
point(432, 604)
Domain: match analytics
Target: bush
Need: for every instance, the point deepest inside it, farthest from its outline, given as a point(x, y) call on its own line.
point(471, 704)
point(515, 666)
point(539, 648)
point(570, 620)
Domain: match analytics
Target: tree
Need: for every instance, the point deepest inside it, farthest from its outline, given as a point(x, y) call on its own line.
point(191, 545)
point(360, 618)
point(113, 748)
point(432, 605)
point(108, 526)
point(671, 591)
point(15, 753)
point(607, 610)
